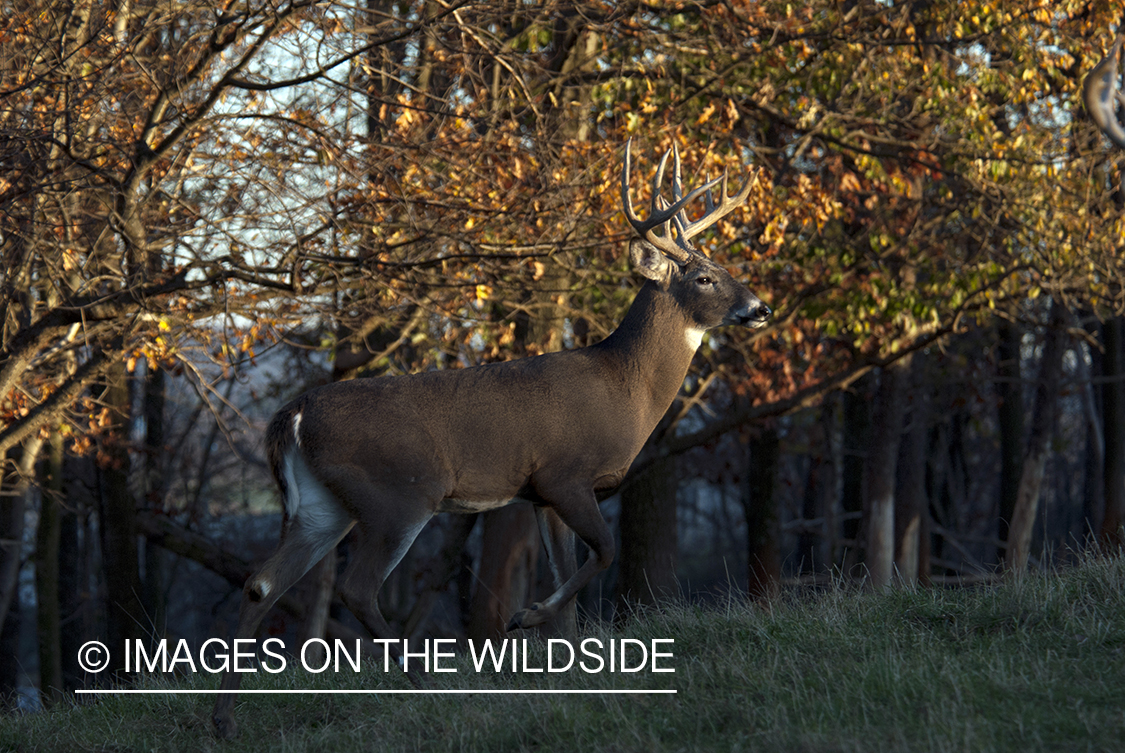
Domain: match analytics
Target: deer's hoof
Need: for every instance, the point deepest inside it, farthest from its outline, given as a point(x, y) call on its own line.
point(225, 727)
point(528, 618)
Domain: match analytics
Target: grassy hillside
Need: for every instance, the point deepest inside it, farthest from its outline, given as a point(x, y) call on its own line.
point(1022, 666)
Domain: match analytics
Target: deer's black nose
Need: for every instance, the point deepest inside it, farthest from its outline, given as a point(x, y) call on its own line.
point(754, 315)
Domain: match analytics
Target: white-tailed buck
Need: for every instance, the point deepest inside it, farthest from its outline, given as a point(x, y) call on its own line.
point(386, 454)
point(1103, 95)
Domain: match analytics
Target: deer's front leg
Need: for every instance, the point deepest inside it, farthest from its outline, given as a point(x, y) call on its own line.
point(576, 509)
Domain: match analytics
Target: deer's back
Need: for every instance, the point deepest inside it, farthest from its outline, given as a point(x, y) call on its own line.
point(482, 434)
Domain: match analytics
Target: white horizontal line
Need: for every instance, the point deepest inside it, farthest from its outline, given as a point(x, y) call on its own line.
point(321, 691)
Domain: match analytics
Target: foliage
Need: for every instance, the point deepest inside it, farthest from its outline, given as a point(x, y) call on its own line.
point(191, 183)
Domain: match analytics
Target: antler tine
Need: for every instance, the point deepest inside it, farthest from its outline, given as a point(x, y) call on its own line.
point(714, 213)
point(658, 201)
point(677, 185)
point(1102, 95)
point(663, 213)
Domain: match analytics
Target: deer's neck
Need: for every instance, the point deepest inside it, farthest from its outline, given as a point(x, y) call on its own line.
point(653, 347)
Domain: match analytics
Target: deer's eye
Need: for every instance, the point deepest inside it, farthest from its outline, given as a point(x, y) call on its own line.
point(704, 281)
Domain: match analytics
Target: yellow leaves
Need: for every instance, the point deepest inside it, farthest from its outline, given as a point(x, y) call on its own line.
point(849, 182)
point(406, 118)
point(483, 292)
point(731, 114)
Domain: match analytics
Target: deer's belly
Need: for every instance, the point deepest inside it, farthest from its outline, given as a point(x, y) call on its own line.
point(451, 504)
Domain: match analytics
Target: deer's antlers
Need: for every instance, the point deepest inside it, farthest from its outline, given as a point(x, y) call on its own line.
point(677, 245)
point(1102, 95)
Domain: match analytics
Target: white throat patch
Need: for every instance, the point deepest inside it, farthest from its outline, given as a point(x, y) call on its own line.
point(693, 336)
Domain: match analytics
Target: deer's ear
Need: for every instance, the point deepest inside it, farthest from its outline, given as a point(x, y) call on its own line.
point(649, 261)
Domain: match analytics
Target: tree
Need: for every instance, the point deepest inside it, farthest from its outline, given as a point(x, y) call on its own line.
point(759, 500)
point(1038, 444)
point(1113, 411)
point(879, 473)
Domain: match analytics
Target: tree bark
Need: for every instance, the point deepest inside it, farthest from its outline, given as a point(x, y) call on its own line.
point(73, 597)
point(155, 559)
point(759, 503)
point(15, 478)
point(1042, 427)
point(125, 617)
point(47, 580)
point(856, 444)
point(1111, 533)
point(509, 551)
point(647, 560)
point(1010, 418)
point(879, 473)
point(911, 508)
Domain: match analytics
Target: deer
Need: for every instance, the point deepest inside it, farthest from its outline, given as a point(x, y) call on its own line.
point(385, 454)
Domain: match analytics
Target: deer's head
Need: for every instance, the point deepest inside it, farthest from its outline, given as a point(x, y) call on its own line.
point(708, 295)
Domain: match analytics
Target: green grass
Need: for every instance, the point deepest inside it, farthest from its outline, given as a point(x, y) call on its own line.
point(1030, 665)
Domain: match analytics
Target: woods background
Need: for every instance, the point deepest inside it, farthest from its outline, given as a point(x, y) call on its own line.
point(206, 209)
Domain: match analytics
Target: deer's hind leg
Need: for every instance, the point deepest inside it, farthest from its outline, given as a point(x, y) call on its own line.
point(389, 518)
point(315, 523)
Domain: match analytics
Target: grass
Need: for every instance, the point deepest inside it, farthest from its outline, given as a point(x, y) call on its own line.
point(1036, 664)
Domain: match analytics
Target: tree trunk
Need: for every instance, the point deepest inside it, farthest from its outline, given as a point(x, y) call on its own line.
point(47, 580)
point(73, 597)
point(576, 49)
point(155, 559)
point(509, 551)
point(1111, 533)
point(125, 616)
point(833, 479)
point(1042, 427)
point(11, 668)
point(856, 443)
point(15, 478)
point(1010, 417)
point(759, 503)
point(879, 473)
point(647, 560)
point(810, 545)
point(911, 508)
